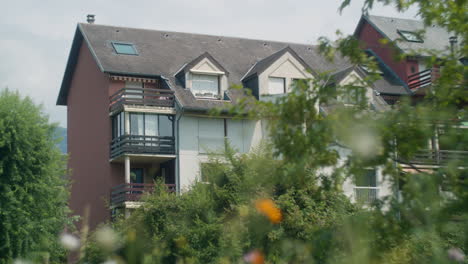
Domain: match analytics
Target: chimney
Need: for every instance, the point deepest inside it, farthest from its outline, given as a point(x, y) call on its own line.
point(90, 19)
point(453, 43)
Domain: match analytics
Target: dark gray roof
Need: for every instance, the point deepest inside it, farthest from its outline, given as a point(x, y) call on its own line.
point(435, 38)
point(341, 74)
point(263, 64)
point(191, 64)
point(390, 83)
point(164, 53)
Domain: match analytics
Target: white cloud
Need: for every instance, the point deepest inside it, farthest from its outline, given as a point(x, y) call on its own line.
point(36, 36)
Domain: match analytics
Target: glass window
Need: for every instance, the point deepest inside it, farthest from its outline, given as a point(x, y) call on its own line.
point(136, 124)
point(410, 36)
point(276, 85)
point(351, 96)
point(114, 127)
point(143, 124)
point(302, 83)
point(165, 126)
point(124, 48)
point(205, 85)
point(367, 179)
point(151, 125)
point(118, 125)
point(121, 124)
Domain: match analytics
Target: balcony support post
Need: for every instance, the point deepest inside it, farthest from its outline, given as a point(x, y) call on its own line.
point(127, 169)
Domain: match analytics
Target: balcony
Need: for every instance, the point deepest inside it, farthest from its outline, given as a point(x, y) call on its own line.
point(132, 192)
point(366, 195)
point(141, 97)
point(441, 157)
point(422, 78)
point(150, 145)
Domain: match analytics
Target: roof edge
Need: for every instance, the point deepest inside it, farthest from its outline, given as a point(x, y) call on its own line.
point(252, 71)
point(72, 61)
point(380, 61)
point(70, 67)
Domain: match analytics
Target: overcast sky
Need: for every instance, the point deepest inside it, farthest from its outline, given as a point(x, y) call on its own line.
point(36, 36)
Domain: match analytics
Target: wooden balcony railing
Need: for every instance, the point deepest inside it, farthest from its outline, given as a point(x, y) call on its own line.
point(422, 78)
point(131, 192)
point(130, 144)
point(142, 97)
point(441, 157)
point(366, 195)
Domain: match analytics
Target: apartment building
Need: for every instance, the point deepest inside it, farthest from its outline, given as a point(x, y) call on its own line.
point(138, 105)
point(412, 40)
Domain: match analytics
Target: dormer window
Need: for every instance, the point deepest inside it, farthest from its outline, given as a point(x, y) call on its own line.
point(205, 77)
point(276, 85)
point(410, 36)
point(204, 85)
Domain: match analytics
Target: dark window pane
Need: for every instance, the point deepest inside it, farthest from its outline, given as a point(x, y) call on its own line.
point(114, 126)
point(122, 124)
point(165, 126)
point(367, 179)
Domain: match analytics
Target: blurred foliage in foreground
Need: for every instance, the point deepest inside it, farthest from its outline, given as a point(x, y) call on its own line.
point(249, 213)
point(277, 205)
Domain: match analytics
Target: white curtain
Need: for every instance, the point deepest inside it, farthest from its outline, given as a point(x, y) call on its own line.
point(276, 85)
point(151, 125)
point(136, 124)
point(205, 84)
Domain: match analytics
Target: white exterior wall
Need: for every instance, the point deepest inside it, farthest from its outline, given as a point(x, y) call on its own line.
point(200, 135)
point(285, 67)
point(352, 78)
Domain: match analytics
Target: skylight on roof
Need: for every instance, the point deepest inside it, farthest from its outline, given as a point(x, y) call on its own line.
point(370, 70)
point(410, 36)
point(124, 48)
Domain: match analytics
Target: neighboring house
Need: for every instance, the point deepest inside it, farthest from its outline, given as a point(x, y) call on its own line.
point(411, 74)
point(138, 105)
point(404, 37)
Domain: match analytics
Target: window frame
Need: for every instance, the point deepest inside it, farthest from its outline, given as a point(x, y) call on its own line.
point(366, 173)
point(218, 83)
point(284, 85)
point(118, 124)
point(405, 37)
point(116, 43)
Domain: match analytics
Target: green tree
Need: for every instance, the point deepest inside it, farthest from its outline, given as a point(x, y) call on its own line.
point(33, 189)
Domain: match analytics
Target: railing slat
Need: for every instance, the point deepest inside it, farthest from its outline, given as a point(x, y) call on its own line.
point(440, 157)
point(143, 97)
point(421, 78)
point(142, 145)
point(366, 194)
point(133, 192)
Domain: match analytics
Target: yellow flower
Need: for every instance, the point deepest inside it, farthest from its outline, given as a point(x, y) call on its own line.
point(268, 208)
